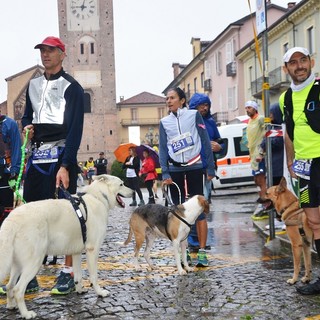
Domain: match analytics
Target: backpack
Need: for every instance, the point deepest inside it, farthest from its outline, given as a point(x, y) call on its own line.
point(311, 109)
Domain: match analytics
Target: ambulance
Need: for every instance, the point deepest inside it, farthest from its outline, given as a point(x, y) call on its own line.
point(233, 161)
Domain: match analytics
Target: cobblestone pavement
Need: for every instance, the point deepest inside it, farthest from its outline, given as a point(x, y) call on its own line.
point(245, 280)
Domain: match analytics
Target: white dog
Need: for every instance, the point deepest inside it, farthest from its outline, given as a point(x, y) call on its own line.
point(39, 228)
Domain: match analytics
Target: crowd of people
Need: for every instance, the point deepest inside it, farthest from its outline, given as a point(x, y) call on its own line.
point(189, 141)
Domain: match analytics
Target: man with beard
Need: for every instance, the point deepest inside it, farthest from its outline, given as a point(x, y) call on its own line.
point(300, 106)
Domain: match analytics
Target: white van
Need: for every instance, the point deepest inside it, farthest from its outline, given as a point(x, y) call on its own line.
point(233, 162)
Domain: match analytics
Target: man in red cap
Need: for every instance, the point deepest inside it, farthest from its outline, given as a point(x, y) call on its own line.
point(54, 117)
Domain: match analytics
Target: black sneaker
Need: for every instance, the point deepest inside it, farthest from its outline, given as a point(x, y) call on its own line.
point(309, 289)
point(65, 284)
point(32, 286)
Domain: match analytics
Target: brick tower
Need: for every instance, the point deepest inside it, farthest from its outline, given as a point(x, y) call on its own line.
point(86, 27)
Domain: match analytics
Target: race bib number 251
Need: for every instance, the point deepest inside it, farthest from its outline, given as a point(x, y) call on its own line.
point(182, 143)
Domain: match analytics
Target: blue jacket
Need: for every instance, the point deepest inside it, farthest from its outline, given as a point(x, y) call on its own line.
point(211, 126)
point(11, 137)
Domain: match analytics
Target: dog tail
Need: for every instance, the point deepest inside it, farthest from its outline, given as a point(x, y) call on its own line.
point(7, 236)
point(129, 237)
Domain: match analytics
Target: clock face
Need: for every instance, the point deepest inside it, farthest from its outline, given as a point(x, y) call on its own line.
point(83, 9)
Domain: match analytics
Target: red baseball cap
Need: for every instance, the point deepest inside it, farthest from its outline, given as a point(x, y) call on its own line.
point(52, 42)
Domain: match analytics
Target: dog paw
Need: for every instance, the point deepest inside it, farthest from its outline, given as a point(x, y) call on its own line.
point(189, 269)
point(291, 281)
point(81, 290)
point(182, 272)
point(29, 315)
point(103, 293)
point(305, 279)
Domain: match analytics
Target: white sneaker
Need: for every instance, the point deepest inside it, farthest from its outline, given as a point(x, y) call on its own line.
point(277, 225)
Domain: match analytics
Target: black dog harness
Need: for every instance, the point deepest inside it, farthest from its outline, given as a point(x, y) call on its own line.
point(76, 201)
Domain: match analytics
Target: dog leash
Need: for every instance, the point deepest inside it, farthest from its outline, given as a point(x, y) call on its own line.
point(166, 195)
point(15, 184)
point(171, 204)
point(75, 204)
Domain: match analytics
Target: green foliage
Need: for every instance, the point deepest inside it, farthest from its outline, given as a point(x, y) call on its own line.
point(116, 170)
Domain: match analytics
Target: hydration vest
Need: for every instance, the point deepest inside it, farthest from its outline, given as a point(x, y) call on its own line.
point(311, 109)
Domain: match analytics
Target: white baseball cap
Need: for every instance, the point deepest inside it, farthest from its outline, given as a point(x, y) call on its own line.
point(252, 104)
point(287, 56)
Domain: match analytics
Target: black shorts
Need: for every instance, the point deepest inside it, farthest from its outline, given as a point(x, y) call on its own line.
point(309, 190)
point(40, 185)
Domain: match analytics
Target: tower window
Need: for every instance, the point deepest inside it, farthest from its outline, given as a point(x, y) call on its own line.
point(87, 103)
point(81, 48)
point(92, 48)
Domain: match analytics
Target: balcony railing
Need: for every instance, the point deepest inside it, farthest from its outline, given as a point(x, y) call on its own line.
point(140, 122)
point(277, 81)
point(221, 117)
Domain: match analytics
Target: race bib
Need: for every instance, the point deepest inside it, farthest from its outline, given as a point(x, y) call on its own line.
point(182, 143)
point(302, 168)
point(45, 156)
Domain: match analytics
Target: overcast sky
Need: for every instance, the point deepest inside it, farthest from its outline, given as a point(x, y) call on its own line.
point(149, 36)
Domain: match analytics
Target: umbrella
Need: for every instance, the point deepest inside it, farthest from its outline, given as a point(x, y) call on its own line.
point(122, 152)
point(152, 152)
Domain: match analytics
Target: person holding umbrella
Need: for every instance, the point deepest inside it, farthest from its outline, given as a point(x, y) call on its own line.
point(132, 166)
point(148, 170)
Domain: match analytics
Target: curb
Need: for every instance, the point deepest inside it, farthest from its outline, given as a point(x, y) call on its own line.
point(279, 234)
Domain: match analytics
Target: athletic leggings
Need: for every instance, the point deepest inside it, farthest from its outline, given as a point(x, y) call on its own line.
point(149, 185)
point(133, 183)
point(194, 181)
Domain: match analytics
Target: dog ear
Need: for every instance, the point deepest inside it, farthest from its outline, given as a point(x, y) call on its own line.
point(282, 185)
point(204, 204)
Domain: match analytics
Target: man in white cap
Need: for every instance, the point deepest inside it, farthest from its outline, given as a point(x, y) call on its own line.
point(301, 109)
point(255, 134)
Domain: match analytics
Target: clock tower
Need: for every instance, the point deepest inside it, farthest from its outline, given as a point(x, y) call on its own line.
point(86, 28)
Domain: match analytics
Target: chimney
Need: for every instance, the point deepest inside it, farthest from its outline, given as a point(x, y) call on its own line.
point(291, 5)
point(176, 69)
point(121, 98)
point(196, 46)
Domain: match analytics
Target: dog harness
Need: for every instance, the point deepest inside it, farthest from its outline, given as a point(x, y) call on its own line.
point(170, 210)
point(75, 201)
point(289, 221)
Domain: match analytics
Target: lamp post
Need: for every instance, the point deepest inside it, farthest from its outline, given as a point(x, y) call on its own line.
point(152, 138)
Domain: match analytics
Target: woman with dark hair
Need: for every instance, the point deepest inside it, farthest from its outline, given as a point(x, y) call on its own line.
point(132, 166)
point(148, 170)
point(182, 135)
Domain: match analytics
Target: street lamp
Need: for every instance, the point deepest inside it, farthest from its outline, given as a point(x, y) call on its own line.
point(152, 138)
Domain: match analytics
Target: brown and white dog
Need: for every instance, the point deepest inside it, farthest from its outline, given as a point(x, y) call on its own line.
point(298, 230)
point(155, 220)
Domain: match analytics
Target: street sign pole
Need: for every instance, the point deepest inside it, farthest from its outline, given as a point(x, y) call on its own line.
point(261, 16)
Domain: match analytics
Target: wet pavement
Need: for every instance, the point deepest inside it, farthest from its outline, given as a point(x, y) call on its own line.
point(245, 279)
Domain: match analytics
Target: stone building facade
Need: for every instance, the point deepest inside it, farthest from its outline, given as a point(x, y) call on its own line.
point(86, 27)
